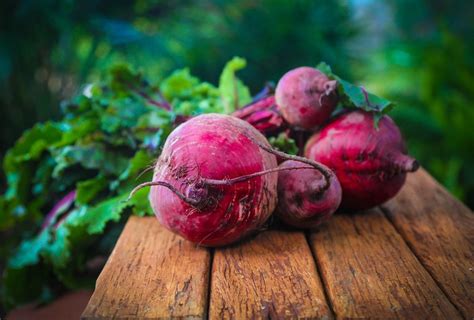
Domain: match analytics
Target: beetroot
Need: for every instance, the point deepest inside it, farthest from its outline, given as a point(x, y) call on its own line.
point(306, 97)
point(302, 200)
point(197, 191)
point(371, 163)
point(263, 115)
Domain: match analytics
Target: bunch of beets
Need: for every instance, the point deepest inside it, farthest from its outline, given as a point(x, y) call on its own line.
point(219, 180)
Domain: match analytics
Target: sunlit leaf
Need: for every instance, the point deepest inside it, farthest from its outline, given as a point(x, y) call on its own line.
point(233, 92)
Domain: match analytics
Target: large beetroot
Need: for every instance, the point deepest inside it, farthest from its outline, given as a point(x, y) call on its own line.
point(195, 193)
point(371, 163)
point(306, 97)
point(216, 180)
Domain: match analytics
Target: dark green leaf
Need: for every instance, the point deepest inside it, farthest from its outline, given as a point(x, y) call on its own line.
point(324, 68)
point(77, 129)
point(178, 84)
point(123, 78)
point(96, 218)
point(29, 251)
point(140, 203)
point(31, 144)
point(87, 190)
point(356, 97)
point(140, 161)
point(26, 284)
point(93, 156)
point(284, 143)
point(123, 113)
point(18, 163)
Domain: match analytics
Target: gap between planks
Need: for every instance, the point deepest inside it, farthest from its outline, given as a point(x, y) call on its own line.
point(209, 285)
point(318, 271)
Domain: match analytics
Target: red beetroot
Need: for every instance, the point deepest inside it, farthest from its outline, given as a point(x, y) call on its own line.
point(306, 97)
point(194, 194)
point(263, 115)
point(370, 163)
point(302, 200)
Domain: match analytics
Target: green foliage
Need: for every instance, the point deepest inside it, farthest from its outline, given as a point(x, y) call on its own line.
point(356, 97)
point(233, 92)
point(284, 143)
point(84, 169)
point(189, 96)
point(87, 190)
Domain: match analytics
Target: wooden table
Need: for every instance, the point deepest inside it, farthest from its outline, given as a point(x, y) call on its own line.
point(411, 258)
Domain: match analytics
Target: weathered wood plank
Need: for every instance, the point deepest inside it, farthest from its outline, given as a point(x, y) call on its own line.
point(369, 272)
point(440, 231)
point(151, 273)
point(271, 276)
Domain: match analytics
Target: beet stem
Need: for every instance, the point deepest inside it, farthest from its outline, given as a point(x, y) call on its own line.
point(228, 182)
point(324, 171)
point(192, 202)
point(164, 101)
point(266, 92)
point(366, 96)
point(224, 182)
point(66, 201)
point(164, 104)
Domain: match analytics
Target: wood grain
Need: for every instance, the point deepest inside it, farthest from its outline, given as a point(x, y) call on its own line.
point(151, 273)
point(440, 230)
point(369, 272)
point(272, 276)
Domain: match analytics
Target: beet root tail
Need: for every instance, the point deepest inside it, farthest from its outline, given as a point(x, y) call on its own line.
point(407, 163)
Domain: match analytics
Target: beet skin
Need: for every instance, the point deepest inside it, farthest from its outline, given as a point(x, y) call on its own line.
point(263, 115)
point(214, 147)
point(306, 97)
point(302, 201)
point(370, 163)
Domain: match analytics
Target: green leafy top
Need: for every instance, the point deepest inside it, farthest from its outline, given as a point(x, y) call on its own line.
point(353, 96)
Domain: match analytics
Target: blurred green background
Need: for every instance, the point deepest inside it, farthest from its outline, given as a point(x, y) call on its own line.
point(419, 54)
